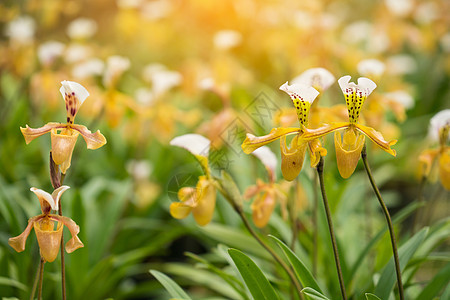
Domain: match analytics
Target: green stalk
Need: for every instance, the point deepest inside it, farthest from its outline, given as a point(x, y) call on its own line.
point(388, 220)
point(315, 226)
point(41, 277)
point(331, 229)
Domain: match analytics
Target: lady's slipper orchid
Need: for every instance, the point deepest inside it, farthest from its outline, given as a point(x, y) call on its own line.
point(292, 157)
point(64, 136)
point(201, 200)
point(439, 131)
point(48, 227)
point(349, 146)
point(266, 194)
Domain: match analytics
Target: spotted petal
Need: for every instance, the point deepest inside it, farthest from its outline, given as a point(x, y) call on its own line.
point(252, 142)
point(74, 95)
point(31, 133)
point(93, 140)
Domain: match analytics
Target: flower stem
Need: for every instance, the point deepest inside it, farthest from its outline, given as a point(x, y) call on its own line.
point(315, 228)
point(389, 222)
point(41, 277)
point(293, 214)
point(330, 228)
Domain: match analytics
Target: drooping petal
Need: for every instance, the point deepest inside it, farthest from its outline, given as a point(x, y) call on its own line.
point(93, 140)
point(311, 134)
point(355, 95)
point(47, 201)
point(63, 144)
point(18, 242)
point(180, 210)
point(319, 78)
point(74, 243)
point(303, 96)
point(49, 240)
point(31, 133)
point(444, 168)
point(292, 158)
point(377, 138)
point(74, 95)
point(194, 143)
point(268, 158)
point(252, 142)
point(204, 211)
point(262, 208)
point(188, 198)
point(348, 151)
point(56, 195)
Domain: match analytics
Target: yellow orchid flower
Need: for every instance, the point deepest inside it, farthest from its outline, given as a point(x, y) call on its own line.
point(64, 136)
point(349, 145)
point(439, 131)
point(292, 156)
point(201, 200)
point(49, 238)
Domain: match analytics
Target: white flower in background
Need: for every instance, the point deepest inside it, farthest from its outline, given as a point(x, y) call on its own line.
point(207, 83)
point(49, 51)
point(438, 122)
point(161, 78)
point(378, 42)
point(303, 19)
point(139, 169)
point(371, 67)
point(268, 158)
point(319, 78)
point(227, 39)
point(144, 96)
point(21, 30)
point(129, 3)
point(426, 13)
point(115, 66)
point(356, 32)
point(399, 8)
point(445, 42)
point(401, 97)
point(81, 28)
point(77, 52)
point(155, 10)
point(401, 64)
point(86, 69)
point(197, 144)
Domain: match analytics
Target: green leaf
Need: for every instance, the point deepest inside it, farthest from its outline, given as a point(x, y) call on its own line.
point(229, 185)
point(257, 283)
point(13, 283)
point(406, 251)
point(174, 289)
point(436, 284)
point(302, 273)
point(313, 294)
point(370, 296)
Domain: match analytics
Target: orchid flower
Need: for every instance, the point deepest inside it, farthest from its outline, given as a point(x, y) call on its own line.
point(266, 193)
point(64, 136)
point(349, 146)
point(49, 238)
point(439, 132)
point(200, 200)
point(292, 157)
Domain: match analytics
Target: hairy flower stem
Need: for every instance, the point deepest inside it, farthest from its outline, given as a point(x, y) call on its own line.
point(331, 229)
point(41, 277)
point(388, 220)
point(315, 226)
point(57, 180)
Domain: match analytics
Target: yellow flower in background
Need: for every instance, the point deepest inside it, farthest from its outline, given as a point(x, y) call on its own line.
point(64, 136)
point(200, 200)
point(292, 156)
point(49, 238)
point(349, 146)
point(439, 131)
